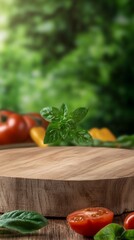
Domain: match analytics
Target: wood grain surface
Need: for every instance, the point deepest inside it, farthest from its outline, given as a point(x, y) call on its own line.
point(58, 180)
point(57, 229)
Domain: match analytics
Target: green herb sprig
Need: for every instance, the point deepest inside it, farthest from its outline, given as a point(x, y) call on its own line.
point(64, 128)
point(114, 231)
point(20, 221)
point(125, 141)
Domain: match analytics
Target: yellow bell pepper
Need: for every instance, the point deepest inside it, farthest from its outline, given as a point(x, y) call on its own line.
point(107, 135)
point(103, 134)
point(37, 134)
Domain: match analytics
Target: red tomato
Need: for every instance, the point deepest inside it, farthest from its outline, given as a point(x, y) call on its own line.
point(129, 221)
point(89, 221)
point(33, 120)
point(29, 121)
point(13, 128)
point(5, 113)
point(37, 118)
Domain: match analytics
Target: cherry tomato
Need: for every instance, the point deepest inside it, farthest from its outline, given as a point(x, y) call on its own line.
point(129, 221)
point(89, 221)
point(5, 113)
point(37, 118)
point(13, 128)
point(34, 120)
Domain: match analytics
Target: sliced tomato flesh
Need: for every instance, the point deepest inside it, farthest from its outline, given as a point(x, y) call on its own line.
point(90, 220)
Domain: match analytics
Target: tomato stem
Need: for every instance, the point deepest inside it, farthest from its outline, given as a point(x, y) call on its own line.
point(3, 118)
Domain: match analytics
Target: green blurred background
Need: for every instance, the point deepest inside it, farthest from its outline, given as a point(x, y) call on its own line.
point(78, 52)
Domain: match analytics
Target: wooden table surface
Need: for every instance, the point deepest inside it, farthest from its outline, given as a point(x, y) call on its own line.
point(57, 229)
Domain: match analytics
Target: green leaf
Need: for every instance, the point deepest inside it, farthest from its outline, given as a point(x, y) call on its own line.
point(64, 110)
point(128, 235)
point(125, 138)
point(82, 137)
point(64, 131)
point(126, 141)
point(50, 114)
point(22, 221)
point(79, 114)
point(52, 133)
point(112, 231)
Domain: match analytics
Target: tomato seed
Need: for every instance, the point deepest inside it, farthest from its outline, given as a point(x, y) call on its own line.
point(79, 218)
point(88, 209)
point(93, 215)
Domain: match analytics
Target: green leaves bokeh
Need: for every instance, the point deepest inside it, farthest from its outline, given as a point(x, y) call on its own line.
point(77, 52)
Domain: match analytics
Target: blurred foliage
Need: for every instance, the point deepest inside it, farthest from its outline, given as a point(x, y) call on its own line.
point(77, 52)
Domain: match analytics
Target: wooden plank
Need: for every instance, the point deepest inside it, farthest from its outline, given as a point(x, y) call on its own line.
point(49, 180)
point(57, 229)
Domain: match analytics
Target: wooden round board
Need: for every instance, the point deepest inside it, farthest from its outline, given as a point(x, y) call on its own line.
point(58, 180)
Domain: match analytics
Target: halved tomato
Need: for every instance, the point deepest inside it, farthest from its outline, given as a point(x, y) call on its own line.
point(89, 221)
point(129, 221)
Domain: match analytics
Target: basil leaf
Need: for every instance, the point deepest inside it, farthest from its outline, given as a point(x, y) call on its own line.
point(112, 231)
point(82, 136)
point(126, 141)
point(128, 235)
point(50, 114)
point(64, 110)
point(64, 132)
point(22, 221)
point(125, 138)
point(79, 114)
point(52, 133)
